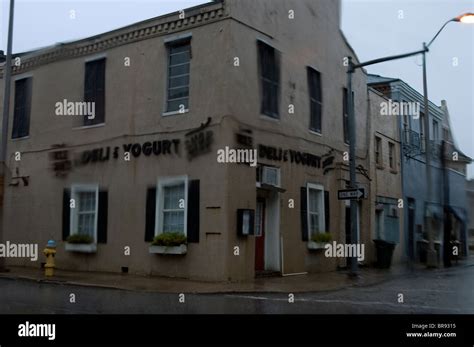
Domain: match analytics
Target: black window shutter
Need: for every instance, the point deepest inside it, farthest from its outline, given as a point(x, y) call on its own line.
point(304, 214)
point(327, 215)
point(150, 214)
point(66, 212)
point(102, 217)
point(193, 211)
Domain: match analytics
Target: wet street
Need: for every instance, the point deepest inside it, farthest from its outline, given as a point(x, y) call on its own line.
point(441, 291)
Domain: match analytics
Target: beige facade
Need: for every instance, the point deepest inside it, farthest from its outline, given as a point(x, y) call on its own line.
point(387, 197)
point(225, 98)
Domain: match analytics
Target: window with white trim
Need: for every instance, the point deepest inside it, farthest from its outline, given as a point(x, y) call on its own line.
point(84, 210)
point(315, 196)
point(172, 205)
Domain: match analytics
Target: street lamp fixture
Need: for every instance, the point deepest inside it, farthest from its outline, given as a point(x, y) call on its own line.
point(467, 18)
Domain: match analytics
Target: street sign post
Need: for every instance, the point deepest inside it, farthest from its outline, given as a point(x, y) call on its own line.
point(350, 194)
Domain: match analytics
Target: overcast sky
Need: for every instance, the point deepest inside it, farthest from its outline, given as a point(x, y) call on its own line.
point(374, 29)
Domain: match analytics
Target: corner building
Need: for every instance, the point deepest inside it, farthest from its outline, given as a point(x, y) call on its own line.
point(170, 92)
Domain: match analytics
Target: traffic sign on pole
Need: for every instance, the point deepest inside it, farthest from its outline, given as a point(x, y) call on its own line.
point(350, 194)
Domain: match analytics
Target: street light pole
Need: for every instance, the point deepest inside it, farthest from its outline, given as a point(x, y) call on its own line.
point(6, 113)
point(352, 164)
point(431, 259)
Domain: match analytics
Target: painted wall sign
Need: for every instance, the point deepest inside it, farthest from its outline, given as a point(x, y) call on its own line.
point(327, 162)
point(199, 143)
point(162, 147)
point(62, 163)
point(297, 157)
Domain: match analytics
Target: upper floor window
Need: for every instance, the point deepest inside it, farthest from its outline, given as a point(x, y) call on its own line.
point(94, 90)
point(435, 130)
point(378, 150)
point(391, 155)
point(270, 79)
point(21, 115)
point(315, 96)
point(179, 61)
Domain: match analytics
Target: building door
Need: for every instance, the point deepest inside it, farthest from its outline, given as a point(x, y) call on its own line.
point(411, 228)
point(260, 235)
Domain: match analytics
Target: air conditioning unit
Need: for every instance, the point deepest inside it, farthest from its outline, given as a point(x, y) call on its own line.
point(271, 176)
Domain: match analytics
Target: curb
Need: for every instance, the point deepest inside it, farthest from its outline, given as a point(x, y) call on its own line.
point(383, 279)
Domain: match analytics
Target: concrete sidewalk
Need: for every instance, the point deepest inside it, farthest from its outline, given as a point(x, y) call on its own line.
point(315, 282)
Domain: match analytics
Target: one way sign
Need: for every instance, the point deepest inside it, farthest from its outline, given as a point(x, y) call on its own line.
point(350, 194)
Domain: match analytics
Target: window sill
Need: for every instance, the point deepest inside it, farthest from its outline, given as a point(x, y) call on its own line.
point(21, 138)
point(315, 132)
point(173, 113)
point(81, 247)
point(269, 118)
point(380, 167)
point(316, 245)
point(89, 126)
point(181, 249)
point(393, 171)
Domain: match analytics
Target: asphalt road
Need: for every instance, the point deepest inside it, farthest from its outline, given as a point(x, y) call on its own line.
point(442, 291)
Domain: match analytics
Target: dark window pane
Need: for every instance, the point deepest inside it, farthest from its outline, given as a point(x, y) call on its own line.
point(270, 79)
point(179, 70)
point(186, 47)
point(315, 95)
point(22, 108)
point(94, 90)
point(179, 81)
point(179, 58)
point(178, 76)
point(315, 116)
point(174, 105)
point(178, 93)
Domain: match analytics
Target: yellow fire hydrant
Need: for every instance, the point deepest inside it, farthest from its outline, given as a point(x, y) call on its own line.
point(49, 252)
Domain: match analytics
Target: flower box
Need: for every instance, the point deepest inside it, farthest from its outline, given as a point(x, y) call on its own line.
point(181, 249)
point(81, 247)
point(316, 245)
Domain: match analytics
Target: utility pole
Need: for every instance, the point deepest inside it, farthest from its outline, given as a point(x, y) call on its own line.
point(352, 165)
point(431, 259)
point(6, 112)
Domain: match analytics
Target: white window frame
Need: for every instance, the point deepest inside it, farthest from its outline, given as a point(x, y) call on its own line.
point(322, 220)
point(73, 220)
point(162, 183)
